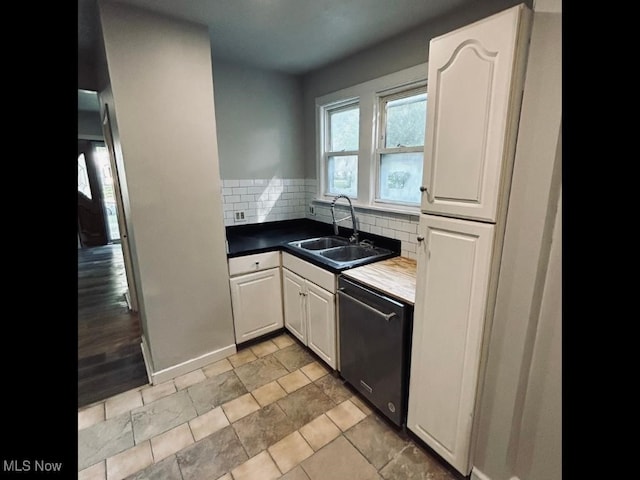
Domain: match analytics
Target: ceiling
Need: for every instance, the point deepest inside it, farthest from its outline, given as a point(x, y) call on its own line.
point(290, 36)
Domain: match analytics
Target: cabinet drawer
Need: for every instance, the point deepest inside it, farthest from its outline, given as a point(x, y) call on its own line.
point(253, 263)
point(321, 277)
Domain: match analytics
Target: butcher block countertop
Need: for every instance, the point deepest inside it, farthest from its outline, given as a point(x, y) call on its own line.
point(395, 276)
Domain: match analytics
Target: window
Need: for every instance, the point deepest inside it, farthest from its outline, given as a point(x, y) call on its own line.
point(342, 128)
point(83, 177)
point(402, 117)
point(370, 141)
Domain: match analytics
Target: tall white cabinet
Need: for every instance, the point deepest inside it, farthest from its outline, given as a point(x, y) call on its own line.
point(475, 81)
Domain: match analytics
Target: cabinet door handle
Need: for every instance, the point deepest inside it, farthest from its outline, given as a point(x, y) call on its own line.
point(423, 189)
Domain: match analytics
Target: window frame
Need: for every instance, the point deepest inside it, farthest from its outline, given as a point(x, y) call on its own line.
point(367, 96)
point(326, 150)
point(382, 98)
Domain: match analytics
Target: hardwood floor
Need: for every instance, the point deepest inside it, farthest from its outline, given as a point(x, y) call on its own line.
point(109, 356)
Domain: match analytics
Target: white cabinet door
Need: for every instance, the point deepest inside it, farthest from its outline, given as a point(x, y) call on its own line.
point(454, 262)
point(321, 323)
point(475, 77)
point(294, 305)
point(257, 308)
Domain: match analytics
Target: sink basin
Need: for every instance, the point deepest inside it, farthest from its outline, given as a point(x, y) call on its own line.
point(321, 243)
point(348, 253)
point(338, 252)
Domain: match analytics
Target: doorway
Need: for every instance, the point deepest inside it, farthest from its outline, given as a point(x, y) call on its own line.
point(97, 209)
point(92, 227)
point(110, 358)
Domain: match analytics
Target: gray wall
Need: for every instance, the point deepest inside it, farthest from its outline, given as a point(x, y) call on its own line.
point(259, 122)
point(519, 432)
point(87, 74)
point(89, 125)
point(162, 87)
point(403, 51)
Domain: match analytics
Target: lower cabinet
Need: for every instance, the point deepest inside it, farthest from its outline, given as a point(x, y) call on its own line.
point(256, 296)
point(310, 309)
point(453, 272)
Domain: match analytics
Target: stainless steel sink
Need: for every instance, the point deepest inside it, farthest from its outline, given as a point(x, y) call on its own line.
point(321, 243)
point(348, 253)
point(339, 252)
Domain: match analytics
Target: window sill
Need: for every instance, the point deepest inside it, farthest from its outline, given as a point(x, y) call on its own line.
point(413, 211)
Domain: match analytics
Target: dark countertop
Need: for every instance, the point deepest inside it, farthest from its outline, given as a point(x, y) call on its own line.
point(273, 236)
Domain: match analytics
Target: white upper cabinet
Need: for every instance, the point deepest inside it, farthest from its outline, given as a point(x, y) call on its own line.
point(474, 90)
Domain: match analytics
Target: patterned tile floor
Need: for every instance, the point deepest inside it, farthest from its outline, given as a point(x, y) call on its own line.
point(271, 411)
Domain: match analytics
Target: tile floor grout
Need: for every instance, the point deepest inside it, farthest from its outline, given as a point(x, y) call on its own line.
point(356, 412)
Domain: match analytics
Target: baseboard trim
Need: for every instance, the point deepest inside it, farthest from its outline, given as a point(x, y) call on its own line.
point(185, 367)
point(478, 475)
point(146, 356)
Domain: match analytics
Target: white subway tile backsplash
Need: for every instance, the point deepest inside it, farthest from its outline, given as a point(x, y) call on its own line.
point(400, 235)
point(382, 222)
point(387, 232)
point(406, 253)
point(408, 227)
point(394, 224)
point(275, 199)
point(410, 247)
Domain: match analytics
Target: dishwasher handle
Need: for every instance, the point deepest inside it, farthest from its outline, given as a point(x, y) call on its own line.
point(386, 316)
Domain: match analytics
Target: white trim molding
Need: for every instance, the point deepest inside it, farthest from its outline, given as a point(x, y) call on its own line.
point(146, 356)
point(184, 367)
point(478, 475)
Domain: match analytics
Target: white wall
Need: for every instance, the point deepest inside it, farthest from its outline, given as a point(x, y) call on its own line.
point(519, 429)
point(162, 87)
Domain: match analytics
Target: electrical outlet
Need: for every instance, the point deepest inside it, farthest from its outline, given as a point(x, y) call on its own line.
point(239, 216)
point(312, 210)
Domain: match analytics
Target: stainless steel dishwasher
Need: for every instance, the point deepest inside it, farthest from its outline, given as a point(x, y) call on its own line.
point(375, 336)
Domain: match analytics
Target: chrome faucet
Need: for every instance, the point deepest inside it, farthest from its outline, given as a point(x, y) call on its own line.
point(354, 236)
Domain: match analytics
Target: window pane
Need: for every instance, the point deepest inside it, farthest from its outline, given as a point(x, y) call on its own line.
point(108, 192)
point(400, 177)
point(83, 177)
point(406, 119)
point(344, 129)
point(342, 175)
